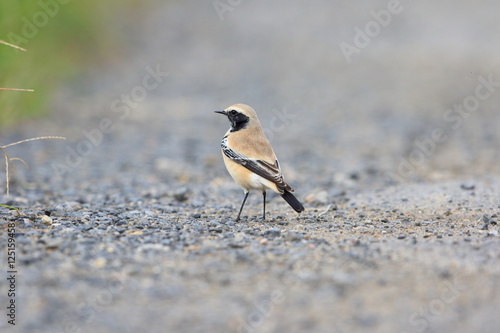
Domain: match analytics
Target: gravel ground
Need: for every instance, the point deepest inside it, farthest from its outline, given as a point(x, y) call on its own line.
point(129, 224)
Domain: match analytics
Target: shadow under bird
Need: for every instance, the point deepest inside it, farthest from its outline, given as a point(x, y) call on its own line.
point(250, 159)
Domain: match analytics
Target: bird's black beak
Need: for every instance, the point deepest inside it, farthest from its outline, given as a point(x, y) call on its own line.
point(221, 112)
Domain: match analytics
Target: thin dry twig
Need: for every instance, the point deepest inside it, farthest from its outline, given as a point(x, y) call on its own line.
point(22, 161)
point(9, 162)
point(33, 139)
point(12, 45)
point(8, 175)
point(325, 211)
point(17, 89)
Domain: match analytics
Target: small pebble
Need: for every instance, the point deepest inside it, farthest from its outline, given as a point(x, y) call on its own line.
point(46, 220)
point(182, 194)
point(99, 262)
point(292, 235)
point(493, 233)
point(468, 187)
point(215, 229)
point(272, 233)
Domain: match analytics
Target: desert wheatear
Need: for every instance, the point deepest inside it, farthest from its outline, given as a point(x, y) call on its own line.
point(250, 159)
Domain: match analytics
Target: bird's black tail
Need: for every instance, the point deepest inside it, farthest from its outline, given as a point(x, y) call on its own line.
point(292, 201)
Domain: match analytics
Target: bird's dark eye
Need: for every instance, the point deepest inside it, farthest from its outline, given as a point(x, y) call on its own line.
point(234, 112)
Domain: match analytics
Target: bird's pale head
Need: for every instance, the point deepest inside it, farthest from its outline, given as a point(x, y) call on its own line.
point(240, 116)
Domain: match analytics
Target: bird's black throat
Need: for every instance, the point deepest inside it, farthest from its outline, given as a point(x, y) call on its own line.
point(238, 121)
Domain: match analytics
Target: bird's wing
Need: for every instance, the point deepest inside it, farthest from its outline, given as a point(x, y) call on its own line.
point(266, 170)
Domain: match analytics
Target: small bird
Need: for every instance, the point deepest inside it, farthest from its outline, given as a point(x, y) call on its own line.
point(250, 159)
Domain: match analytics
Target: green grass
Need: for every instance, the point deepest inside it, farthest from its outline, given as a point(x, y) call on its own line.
point(61, 43)
point(9, 207)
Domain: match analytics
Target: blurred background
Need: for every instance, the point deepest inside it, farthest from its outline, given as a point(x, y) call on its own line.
point(63, 42)
point(384, 115)
point(352, 95)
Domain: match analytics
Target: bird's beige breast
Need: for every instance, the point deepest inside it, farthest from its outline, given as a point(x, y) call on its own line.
point(252, 143)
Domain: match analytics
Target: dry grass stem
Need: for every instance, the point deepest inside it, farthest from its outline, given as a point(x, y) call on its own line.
point(12, 45)
point(9, 162)
point(33, 139)
point(17, 89)
point(325, 211)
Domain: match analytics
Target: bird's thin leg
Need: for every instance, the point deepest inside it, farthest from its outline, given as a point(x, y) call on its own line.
point(242, 204)
point(264, 210)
